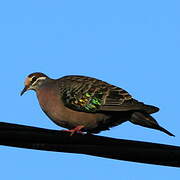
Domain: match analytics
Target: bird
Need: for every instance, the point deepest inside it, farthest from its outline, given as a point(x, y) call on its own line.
point(86, 104)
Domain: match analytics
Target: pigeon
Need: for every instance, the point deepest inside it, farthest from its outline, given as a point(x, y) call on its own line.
point(85, 104)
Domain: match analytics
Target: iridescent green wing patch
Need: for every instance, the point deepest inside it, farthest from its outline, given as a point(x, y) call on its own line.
point(89, 102)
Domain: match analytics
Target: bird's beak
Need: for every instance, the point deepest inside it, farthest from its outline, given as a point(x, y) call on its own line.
point(24, 90)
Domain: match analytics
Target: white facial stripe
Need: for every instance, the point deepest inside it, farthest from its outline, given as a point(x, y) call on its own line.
point(39, 79)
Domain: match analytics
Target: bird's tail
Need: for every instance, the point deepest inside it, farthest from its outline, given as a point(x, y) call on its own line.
point(146, 120)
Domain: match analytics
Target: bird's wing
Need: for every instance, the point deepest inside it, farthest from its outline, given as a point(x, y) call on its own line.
point(92, 95)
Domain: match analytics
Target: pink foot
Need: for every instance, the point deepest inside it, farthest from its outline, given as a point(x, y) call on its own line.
point(77, 129)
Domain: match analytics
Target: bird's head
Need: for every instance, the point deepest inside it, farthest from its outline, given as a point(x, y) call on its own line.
point(33, 81)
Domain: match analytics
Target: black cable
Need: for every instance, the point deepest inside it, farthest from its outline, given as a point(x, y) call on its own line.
point(60, 141)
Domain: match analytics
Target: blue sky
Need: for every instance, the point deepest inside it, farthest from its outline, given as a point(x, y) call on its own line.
point(131, 44)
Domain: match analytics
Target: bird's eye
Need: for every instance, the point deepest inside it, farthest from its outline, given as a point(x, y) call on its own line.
point(34, 78)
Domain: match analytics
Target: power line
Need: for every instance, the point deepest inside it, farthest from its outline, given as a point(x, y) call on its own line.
point(53, 140)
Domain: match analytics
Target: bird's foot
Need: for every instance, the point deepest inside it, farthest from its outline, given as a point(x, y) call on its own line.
point(77, 129)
